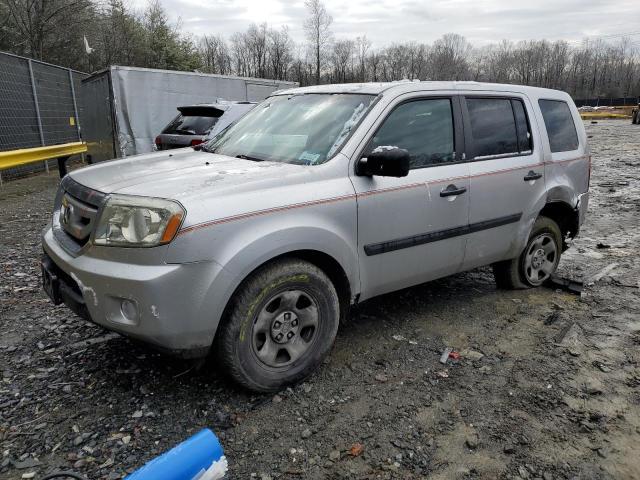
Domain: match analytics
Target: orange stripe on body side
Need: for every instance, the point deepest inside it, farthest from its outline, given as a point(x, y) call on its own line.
point(324, 201)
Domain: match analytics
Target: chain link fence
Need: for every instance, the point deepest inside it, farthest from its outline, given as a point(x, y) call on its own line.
point(607, 102)
point(39, 106)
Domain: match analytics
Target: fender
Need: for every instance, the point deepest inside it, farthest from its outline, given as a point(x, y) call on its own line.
point(271, 245)
point(564, 194)
point(526, 225)
point(248, 249)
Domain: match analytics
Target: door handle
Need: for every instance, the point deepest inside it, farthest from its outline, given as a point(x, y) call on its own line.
point(452, 190)
point(532, 176)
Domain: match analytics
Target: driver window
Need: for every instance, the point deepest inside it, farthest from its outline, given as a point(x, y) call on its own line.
point(422, 127)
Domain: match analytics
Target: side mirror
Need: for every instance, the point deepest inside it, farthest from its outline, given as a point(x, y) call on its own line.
point(393, 162)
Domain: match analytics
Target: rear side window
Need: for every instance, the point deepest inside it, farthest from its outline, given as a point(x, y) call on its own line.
point(560, 127)
point(422, 127)
point(493, 126)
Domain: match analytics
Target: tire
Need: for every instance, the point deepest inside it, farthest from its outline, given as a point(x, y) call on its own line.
point(543, 249)
point(279, 327)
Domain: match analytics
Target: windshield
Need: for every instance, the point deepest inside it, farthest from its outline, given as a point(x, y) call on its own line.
point(303, 129)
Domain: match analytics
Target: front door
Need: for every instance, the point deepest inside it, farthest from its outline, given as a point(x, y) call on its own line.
point(411, 229)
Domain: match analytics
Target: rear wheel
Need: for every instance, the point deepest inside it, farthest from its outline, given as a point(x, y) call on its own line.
point(537, 262)
point(280, 326)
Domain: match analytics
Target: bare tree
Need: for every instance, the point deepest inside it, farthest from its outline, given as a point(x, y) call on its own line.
point(342, 59)
point(362, 48)
point(449, 57)
point(214, 54)
point(256, 38)
point(43, 29)
point(417, 61)
point(280, 55)
point(53, 30)
point(318, 33)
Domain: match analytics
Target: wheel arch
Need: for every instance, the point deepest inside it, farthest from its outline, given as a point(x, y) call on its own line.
point(324, 261)
point(565, 216)
point(332, 268)
point(331, 256)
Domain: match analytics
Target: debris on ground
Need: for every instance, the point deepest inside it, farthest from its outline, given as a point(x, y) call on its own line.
point(445, 355)
point(472, 440)
point(553, 318)
point(356, 449)
point(382, 378)
point(601, 273)
point(472, 355)
point(568, 285)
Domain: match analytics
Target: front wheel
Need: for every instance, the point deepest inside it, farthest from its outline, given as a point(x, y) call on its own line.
point(280, 325)
point(537, 262)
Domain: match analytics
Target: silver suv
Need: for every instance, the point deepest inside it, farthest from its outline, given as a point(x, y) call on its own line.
point(254, 246)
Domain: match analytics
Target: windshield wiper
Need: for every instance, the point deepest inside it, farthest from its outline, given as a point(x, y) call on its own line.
point(247, 157)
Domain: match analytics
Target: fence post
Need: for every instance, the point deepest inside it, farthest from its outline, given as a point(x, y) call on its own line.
point(35, 101)
point(75, 105)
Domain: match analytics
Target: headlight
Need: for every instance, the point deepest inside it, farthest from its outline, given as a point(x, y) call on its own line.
point(130, 221)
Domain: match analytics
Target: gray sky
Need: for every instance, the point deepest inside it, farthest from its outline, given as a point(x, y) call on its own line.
point(387, 21)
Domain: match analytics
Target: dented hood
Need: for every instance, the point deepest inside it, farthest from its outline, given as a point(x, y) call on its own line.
point(182, 174)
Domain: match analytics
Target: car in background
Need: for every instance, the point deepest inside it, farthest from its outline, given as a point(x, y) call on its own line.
point(198, 123)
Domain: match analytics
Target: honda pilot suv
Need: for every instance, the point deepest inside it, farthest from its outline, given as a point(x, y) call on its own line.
point(254, 245)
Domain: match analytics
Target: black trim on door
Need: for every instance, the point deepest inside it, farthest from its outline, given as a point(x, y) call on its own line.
point(421, 239)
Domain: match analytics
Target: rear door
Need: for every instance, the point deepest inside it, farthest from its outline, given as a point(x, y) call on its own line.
point(411, 229)
point(506, 171)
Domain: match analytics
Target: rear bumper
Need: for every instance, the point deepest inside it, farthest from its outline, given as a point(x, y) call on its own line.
point(582, 206)
point(170, 300)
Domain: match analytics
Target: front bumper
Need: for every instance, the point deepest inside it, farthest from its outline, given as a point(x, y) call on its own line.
point(172, 310)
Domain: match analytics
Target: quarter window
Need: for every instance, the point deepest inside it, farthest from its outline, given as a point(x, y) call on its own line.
point(560, 127)
point(422, 127)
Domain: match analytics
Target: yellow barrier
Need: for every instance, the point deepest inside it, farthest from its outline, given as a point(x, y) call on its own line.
point(16, 158)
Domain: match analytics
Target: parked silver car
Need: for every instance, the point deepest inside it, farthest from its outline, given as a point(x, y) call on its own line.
point(254, 247)
point(195, 124)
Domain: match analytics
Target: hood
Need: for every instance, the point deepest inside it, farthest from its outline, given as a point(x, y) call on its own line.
point(182, 174)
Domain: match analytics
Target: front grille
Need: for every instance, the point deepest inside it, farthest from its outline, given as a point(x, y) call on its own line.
point(77, 218)
point(75, 214)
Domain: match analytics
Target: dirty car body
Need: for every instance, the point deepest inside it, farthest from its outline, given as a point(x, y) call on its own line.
point(484, 163)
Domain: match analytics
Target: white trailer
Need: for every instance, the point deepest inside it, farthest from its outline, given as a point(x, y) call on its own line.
point(125, 108)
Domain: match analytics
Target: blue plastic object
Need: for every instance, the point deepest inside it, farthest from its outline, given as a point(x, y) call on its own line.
point(184, 461)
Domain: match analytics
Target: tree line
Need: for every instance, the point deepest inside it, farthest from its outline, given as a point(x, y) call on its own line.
point(55, 31)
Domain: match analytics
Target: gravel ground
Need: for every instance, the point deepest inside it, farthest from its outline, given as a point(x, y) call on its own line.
point(547, 385)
